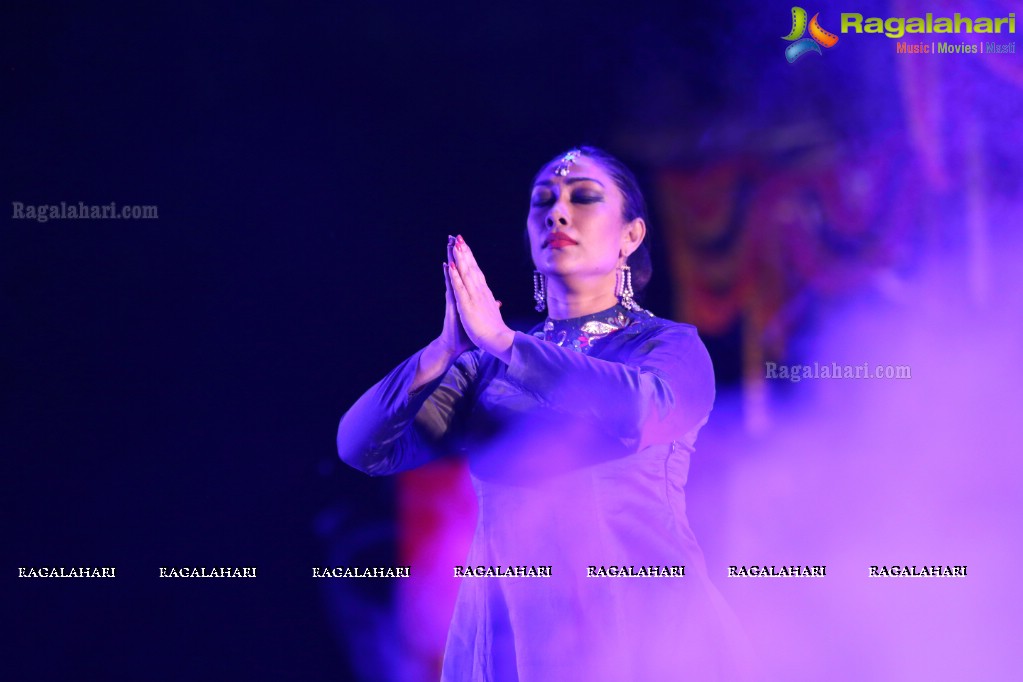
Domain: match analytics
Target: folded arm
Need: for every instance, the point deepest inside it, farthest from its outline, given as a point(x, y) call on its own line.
point(663, 389)
point(399, 422)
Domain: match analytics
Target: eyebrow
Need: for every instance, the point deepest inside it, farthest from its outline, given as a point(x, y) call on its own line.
point(567, 181)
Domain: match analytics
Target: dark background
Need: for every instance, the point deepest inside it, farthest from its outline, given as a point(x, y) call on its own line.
point(172, 386)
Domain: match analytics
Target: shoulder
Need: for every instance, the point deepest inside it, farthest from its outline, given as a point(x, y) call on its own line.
point(648, 327)
point(672, 350)
point(653, 340)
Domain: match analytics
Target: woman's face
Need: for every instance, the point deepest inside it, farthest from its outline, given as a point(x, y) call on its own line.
point(575, 224)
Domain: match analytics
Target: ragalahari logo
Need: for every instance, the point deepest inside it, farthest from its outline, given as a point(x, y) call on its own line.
point(803, 45)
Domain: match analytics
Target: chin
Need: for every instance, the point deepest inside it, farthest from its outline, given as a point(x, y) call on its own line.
point(552, 268)
point(554, 258)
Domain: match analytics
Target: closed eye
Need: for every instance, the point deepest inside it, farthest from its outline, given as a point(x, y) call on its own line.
point(586, 198)
point(542, 198)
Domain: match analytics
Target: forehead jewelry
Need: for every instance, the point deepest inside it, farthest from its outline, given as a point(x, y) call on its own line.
point(566, 162)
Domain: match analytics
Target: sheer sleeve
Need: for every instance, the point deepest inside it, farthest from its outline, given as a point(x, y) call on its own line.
point(391, 429)
point(662, 390)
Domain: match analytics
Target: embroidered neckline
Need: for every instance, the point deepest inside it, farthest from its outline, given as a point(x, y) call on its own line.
point(581, 333)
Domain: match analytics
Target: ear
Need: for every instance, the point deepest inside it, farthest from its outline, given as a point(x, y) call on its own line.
point(632, 236)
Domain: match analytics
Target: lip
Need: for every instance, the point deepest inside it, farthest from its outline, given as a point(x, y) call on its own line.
point(558, 240)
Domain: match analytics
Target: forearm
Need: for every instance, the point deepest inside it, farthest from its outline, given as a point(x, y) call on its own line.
point(374, 434)
point(397, 423)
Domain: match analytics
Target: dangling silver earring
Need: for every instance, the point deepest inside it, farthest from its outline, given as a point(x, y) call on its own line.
point(540, 290)
point(623, 287)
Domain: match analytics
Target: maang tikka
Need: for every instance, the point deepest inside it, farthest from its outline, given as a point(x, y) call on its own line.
point(540, 290)
point(566, 162)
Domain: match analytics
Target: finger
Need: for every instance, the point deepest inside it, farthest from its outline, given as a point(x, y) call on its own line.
point(469, 269)
point(456, 251)
point(452, 266)
point(466, 260)
point(458, 286)
point(449, 296)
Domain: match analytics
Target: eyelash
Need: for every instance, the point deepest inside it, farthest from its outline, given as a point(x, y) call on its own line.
point(576, 199)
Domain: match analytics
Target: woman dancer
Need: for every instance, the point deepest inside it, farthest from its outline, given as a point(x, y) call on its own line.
point(578, 436)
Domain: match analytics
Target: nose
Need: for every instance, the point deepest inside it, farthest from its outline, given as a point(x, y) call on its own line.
point(555, 217)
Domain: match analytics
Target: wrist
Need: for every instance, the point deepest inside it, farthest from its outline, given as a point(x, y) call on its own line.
point(434, 361)
point(499, 344)
point(441, 351)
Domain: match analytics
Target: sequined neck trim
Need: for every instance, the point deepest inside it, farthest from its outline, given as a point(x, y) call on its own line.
point(581, 333)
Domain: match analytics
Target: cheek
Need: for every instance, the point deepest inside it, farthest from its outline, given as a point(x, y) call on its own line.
point(610, 234)
point(533, 234)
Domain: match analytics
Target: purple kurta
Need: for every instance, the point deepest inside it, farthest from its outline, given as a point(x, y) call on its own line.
point(578, 451)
